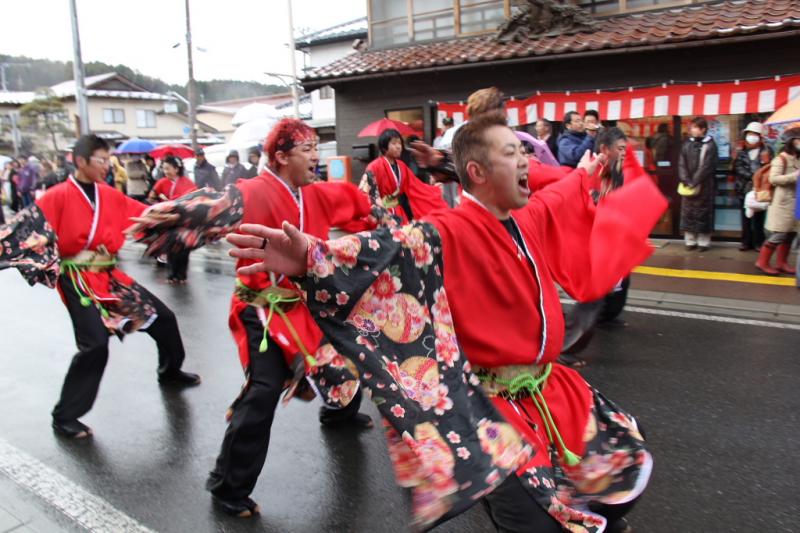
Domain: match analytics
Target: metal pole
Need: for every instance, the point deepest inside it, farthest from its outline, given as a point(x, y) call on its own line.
point(77, 69)
point(295, 97)
point(192, 88)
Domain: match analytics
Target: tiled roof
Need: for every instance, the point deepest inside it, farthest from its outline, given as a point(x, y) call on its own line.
point(684, 24)
point(346, 30)
point(16, 97)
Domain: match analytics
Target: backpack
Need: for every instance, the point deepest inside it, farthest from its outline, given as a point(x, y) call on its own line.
point(761, 183)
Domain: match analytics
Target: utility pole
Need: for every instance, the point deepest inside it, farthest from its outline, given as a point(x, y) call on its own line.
point(295, 98)
point(12, 115)
point(77, 69)
point(192, 87)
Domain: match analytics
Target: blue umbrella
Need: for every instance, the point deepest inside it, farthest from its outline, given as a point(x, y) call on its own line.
point(135, 146)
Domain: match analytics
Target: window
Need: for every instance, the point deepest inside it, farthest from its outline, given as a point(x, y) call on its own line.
point(326, 93)
point(145, 118)
point(398, 22)
point(413, 116)
point(477, 16)
point(114, 116)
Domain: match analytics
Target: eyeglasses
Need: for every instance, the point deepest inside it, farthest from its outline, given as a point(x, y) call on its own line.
point(102, 161)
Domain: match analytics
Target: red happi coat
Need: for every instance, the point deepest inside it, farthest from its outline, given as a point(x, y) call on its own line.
point(541, 175)
point(422, 197)
point(268, 201)
point(506, 313)
point(79, 226)
point(174, 189)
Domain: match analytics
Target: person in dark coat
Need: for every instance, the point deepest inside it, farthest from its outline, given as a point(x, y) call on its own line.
point(234, 170)
point(205, 175)
point(696, 168)
point(753, 155)
point(574, 142)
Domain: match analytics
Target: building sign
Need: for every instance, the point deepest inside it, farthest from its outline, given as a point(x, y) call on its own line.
point(729, 98)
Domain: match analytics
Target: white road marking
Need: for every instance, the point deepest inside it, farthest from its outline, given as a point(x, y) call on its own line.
point(714, 318)
point(701, 316)
point(85, 509)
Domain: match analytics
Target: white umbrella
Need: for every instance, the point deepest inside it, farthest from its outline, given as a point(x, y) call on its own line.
point(252, 112)
point(252, 132)
point(4, 159)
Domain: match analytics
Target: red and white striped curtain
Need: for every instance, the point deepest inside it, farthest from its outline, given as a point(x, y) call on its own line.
point(729, 98)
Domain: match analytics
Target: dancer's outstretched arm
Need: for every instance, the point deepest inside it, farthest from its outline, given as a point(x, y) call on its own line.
point(283, 251)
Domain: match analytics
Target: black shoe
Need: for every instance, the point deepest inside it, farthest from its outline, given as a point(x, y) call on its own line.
point(329, 418)
point(179, 379)
point(690, 247)
point(72, 429)
point(702, 248)
point(243, 508)
point(571, 360)
point(620, 526)
point(615, 322)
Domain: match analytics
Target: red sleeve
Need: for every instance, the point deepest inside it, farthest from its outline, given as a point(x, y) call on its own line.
point(589, 248)
point(541, 175)
point(133, 208)
point(161, 187)
point(423, 198)
point(52, 204)
point(344, 203)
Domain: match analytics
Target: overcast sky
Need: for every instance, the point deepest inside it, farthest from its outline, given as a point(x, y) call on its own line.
point(243, 38)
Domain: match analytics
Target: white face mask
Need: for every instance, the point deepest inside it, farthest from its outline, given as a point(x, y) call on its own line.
point(752, 138)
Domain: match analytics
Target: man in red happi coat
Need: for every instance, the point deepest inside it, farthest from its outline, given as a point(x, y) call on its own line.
point(277, 339)
point(70, 240)
point(549, 452)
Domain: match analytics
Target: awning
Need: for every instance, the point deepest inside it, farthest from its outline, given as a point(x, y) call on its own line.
point(729, 98)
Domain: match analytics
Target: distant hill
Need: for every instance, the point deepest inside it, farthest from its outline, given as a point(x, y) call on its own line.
point(27, 74)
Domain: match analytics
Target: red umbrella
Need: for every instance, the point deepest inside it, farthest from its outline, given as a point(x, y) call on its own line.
point(178, 150)
point(374, 129)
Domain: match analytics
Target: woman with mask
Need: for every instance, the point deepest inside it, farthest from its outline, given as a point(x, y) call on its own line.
point(753, 155)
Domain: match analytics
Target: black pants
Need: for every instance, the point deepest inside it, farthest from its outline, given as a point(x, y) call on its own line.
point(15, 203)
point(86, 370)
point(512, 510)
point(752, 228)
point(246, 441)
point(178, 263)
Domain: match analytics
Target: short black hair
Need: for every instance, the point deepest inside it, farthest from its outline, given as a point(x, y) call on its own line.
point(700, 122)
point(592, 113)
point(609, 136)
point(386, 137)
point(568, 117)
point(87, 145)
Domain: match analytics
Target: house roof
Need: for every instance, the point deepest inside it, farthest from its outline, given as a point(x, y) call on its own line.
point(679, 25)
point(341, 32)
point(94, 88)
point(238, 103)
point(16, 97)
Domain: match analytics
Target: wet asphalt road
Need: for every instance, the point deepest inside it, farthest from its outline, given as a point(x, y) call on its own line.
point(717, 401)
